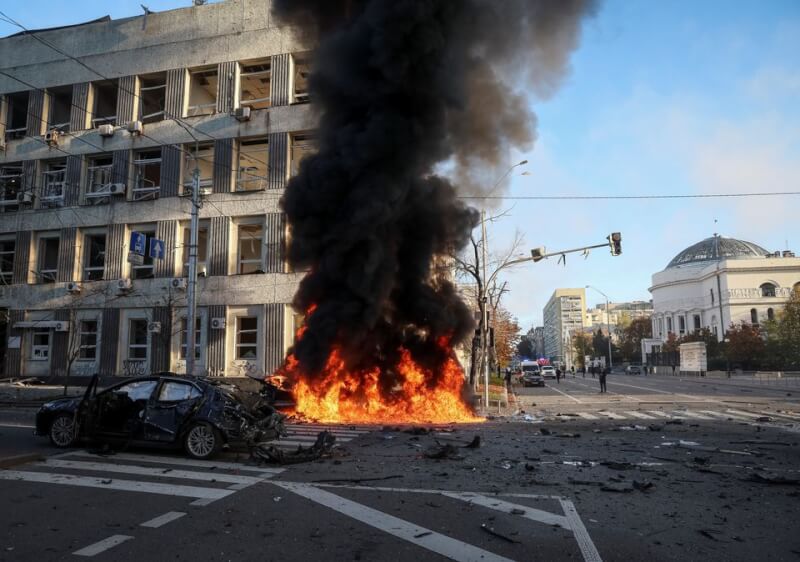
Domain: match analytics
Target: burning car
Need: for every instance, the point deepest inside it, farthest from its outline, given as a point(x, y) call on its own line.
point(166, 410)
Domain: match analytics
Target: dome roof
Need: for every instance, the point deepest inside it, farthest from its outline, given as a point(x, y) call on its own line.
point(717, 248)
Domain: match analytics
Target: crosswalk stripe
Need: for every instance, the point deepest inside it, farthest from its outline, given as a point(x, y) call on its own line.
point(179, 461)
point(640, 415)
point(115, 484)
point(284, 443)
point(783, 415)
point(695, 415)
point(612, 415)
point(722, 415)
point(659, 414)
point(148, 471)
point(102, 546)
point(586, 416)
point(745, 414)
point(162, 520)
point(322, 427)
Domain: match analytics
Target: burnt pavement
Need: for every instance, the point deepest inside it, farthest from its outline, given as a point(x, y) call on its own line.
point(671, 470)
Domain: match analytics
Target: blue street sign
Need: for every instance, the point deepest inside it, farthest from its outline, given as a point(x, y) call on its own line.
point(138, 241)
point(157, 249)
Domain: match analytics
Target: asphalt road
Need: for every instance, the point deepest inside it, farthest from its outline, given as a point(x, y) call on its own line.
point(550, 484)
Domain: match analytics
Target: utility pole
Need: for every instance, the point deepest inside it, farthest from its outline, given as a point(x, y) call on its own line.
point(191, 293)
point(485, 319)
point(608, 324)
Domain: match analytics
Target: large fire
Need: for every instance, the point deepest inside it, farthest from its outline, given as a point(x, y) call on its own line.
point(340, 396)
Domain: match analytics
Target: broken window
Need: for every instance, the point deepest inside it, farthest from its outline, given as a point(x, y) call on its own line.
point(250, 246)
point(87, 335)
point(98, 179)
point(302, 65)
point(54, 180)
point(10, 187)
point(246, 337)
point(302, 146)
point(146, 175)
point(94, 257)
point(60, 108)
point(47, 261)
point(152, 97)
point(202, 91)
point(251, 173)
point(8, 248)
point(202, 249)
point(198, 338)
point(145, 270)
point(255, 79)
point(17, 115)
point(137, 340)
point(40, 344)
point(201, 157)
point(104, 105)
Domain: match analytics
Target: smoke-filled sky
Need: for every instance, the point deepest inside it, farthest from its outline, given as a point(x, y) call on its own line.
point(677, 97)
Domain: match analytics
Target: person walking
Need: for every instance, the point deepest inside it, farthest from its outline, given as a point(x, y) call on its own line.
point(508, 378)
point(573, 371)
point(603, 374)
point(558, 375)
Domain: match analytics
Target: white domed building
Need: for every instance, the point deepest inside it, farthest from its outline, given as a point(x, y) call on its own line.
point(718, 282)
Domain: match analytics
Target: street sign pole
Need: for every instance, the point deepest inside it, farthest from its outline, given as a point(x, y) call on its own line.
point(191, 294)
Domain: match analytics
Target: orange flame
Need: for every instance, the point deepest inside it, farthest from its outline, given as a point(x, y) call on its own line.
point(339, 396)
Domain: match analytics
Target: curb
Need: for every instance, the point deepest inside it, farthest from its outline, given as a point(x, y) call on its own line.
point(8, 462)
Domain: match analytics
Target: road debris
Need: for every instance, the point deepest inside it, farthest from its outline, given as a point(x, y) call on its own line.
point(774, 480)
point(497, 534)
point(270, 453)
point(443, 452)
point(474, 444)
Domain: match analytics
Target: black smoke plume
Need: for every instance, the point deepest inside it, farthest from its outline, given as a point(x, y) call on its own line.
point(404, 87)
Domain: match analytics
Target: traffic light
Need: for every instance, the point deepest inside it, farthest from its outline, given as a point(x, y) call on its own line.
point(615, 243)
point(538, 253)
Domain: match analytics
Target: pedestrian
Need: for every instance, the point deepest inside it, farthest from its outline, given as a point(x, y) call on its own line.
point(673, 370)
point(508, 378)
point(603, 374)
point(583, 371)
point(573, 371)
point(558, 375)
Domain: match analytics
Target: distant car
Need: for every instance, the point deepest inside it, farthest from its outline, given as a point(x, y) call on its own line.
point(548, 372)
point(199, 415)
point(634, 369)
point(531, 378)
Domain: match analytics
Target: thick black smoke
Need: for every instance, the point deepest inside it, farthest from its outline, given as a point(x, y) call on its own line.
point(402, 87)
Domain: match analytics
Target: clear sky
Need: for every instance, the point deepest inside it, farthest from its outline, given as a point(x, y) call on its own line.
point(673, 97)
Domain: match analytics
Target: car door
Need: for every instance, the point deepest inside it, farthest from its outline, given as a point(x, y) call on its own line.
point(170, 409)
point(119, 411)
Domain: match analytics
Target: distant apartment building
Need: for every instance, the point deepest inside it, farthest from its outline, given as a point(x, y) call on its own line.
point(92, 152)
point(563, 313)
point(617, 315)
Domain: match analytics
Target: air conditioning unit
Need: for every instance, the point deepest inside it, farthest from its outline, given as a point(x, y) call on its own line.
point(135, 127)
point(202, 271)
point(106, 130)
point(217, 323)
point(116, 189)
point(73, 287)
point(24, 197)
point(51, 137)
point(124, 285)
point(178, 283)
point(242, 113)
point(61, 327)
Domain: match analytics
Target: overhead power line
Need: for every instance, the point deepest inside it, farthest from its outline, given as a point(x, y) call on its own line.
point(626, 197)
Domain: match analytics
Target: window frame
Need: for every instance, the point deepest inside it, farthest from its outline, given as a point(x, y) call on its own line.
point(129, 345)
point(81, 333)
point(303, 145)
point(156, 81)
point(10, 183)
point(201, 109)
point(250, 223)
point(194, 154)
point(245, 74)
point(105, 119)
point(199, 339)
point(148, 263)
point(54, 182)
point(93, 191)
point(139, 165)
point(7, 276)
point(34, 346)
point(250, 176)
point(41, 254)
point(238, 331)
point(202, 257)
point(52, 95)
point(15, 130)
point(768, 290)
point(87, 269)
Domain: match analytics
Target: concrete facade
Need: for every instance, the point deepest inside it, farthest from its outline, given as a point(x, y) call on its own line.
point(717, 293)
point(108, 147)
point(563, 313)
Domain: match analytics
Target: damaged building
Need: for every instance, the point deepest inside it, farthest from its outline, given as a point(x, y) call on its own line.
point(101, 141)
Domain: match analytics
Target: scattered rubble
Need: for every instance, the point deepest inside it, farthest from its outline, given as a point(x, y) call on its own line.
point(269, 453)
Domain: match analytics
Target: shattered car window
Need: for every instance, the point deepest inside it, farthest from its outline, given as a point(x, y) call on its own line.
point(176, 392)
point(140, 390)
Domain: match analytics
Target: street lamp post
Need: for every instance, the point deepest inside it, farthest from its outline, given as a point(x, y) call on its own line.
point(608, 325)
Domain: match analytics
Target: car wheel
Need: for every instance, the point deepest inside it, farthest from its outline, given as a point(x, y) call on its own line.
point(202, 441)
point(63, 431)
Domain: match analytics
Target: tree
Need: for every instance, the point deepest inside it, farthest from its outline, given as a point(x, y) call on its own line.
point(525, 348)
point(581, 346)
point(506, 336)
point(632, 336)
point(600, 345)
point(783, 334)
point(745, 345)
point(672, 345)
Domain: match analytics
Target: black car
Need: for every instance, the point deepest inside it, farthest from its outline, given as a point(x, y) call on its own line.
point(200, 415)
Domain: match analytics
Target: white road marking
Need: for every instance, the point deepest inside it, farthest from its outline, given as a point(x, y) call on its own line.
point(185, 462)
point(786, 415)
point(722, 415)
point(315, 432)
point(640, 415)
point(322, 427)
point(151, 471)
point(612, 415)
point(18, 425)
point(102, 546)
point(400, 528)
point(745, 414)
point(162, 520)
point(659, 414)
point(695, 415)
point(115, 484)
point(586, 416)
point(531, 513)
point(565, 394)
point(588, 549)
point(294, 443)
point(694, 398)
